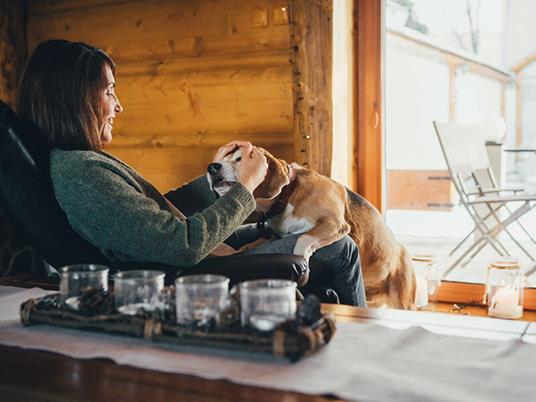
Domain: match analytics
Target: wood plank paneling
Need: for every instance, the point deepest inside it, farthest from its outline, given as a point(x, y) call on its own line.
point(168, 168)
point(191, 75)
point(311, 35)
point(160, 29)
point(205, 103)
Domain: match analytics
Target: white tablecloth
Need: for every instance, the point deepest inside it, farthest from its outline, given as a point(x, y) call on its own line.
point(365, 362)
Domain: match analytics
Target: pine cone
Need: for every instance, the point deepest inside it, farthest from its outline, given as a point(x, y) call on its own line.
point(96, 301)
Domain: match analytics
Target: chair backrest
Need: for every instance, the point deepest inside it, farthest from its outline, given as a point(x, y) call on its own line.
point(463, 146)
point(27, 197)
point(464, 149)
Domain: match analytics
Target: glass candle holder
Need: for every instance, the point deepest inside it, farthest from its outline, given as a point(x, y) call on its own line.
point(136, 290)
point(265, 303)
point(504, 288)
point(200, 299)
point(427, 276)
point(80, 277)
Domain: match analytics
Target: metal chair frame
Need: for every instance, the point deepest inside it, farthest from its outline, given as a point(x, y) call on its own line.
point(491, 210)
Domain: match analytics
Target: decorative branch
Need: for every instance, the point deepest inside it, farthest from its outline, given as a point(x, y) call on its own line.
point(473, 14)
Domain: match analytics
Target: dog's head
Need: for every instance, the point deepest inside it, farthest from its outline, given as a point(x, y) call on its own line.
point(222, 175)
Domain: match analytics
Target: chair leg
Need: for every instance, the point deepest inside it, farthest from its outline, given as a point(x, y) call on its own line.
point(502, 225)
point(531, 270)
point(492, 244)
point(518, 244)
point(521, 226)
point(461, 242)
point(518, 213)
point(464, 254)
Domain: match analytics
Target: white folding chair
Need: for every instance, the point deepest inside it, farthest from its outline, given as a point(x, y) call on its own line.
point(491, 208)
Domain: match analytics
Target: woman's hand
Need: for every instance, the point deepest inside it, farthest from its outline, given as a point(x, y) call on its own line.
point(252, 168)
point(230, 147)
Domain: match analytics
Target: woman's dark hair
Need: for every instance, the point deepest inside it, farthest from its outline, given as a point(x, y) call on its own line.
point(59, 93)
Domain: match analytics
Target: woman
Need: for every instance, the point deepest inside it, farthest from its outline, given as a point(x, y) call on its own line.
point(68, 92)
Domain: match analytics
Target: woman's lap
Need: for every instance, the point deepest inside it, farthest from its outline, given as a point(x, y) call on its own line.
point(342, 257)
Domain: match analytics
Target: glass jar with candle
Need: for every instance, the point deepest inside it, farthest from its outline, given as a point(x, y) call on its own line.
point(504, 288)
point(427, 276)
point(138, 290)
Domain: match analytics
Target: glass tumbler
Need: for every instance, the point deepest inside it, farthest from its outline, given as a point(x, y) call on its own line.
point(80, 277)
point(504, 288)
point(201, 298)
point(136, 290)
point(427, 276)
point(264, 303)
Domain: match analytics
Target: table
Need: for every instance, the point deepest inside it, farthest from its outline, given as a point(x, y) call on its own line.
point(35, 375)
point(39, 376)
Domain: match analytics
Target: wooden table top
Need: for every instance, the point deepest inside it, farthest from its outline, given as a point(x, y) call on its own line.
point(28, 375)
point(42, 376)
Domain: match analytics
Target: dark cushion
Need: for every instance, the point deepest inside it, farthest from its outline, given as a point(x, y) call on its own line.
point(27, 197)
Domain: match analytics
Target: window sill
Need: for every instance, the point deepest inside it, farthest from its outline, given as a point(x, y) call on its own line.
point(471, 294)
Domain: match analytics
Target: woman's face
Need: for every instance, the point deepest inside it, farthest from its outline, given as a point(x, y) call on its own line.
point(110, 107)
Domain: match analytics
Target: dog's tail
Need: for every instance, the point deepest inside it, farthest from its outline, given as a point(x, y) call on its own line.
point(403, 283)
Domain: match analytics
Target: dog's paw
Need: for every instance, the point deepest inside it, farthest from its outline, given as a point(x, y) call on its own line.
point(305, 246)
point(307, 257)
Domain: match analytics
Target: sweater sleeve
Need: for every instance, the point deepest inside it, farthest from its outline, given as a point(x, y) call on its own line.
point(193, 196)
point(108, 209)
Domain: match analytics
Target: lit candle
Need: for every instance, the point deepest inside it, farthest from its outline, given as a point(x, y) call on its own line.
point(421, 291)
point(505, 304)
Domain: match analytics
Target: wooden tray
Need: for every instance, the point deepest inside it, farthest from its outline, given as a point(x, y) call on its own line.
point(290, 339)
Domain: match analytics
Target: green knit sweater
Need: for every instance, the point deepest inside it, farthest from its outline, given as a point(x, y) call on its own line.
point(111, 206)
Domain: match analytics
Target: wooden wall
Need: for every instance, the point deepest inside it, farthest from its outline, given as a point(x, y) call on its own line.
point(191, 75)
point(311, 36)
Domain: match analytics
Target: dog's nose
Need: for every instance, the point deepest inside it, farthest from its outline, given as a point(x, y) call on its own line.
point(214, 168)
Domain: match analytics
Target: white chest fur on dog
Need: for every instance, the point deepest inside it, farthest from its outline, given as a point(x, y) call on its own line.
point(286, 224)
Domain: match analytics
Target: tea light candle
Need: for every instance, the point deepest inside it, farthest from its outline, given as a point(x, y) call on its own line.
point(421, 296)
point(504, 304)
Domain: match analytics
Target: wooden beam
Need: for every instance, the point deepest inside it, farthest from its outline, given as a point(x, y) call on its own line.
point(474, 64)
point(368, 105)
point(453, 65)
point(181, 65)
point(519, 110)
point(520, 66)
point(504, 91)
point(311, 36)
point(12, 48)
point(194, 141)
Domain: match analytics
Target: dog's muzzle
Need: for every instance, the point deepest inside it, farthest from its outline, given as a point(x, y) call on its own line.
point(214, 168)
point(217, 181)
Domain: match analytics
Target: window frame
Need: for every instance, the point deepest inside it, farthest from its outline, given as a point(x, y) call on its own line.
point(368, 164)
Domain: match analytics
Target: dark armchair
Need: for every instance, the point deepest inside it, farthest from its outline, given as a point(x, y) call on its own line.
point(27, 198)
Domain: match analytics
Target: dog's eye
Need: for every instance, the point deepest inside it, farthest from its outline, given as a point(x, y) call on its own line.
point(238, 159)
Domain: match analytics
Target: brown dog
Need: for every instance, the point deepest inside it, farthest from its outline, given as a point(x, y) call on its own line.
point(297, 200)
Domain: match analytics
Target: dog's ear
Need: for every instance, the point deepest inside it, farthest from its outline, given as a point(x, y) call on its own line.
point(276, 177)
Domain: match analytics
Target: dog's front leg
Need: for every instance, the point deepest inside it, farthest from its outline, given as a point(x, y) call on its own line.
point(325, 232)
